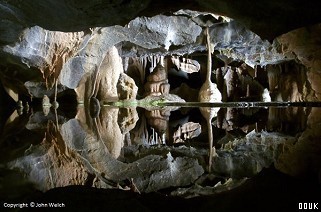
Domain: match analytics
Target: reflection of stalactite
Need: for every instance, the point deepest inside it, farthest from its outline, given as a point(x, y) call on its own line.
point(231, 117)
point(140, 133)
point(158, 121)
point(127, 140)
point(220, 118)
point(156, 138)
point(241, 121)
point(288, 120)
point(187, 131)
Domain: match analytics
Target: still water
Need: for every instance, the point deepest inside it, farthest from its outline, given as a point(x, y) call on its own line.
point(176, 150)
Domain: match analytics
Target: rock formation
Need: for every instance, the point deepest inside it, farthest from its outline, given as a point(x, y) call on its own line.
point(187, 131)
point(186, 65)
point(186, 93)
point(157, 82)
point(209, 93)
point(158, 119)
point(126, 87)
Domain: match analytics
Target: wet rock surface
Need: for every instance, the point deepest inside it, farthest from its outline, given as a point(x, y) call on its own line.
point(254, 193)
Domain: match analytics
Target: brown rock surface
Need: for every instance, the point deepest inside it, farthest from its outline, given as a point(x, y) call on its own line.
point(305, 44)
point(102, 83)
point(157, 83)
point(126, 87)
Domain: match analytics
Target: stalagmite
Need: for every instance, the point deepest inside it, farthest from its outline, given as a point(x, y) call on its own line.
point(55, 104)
point(266, 95)
point(46, 105)
point(209, 93)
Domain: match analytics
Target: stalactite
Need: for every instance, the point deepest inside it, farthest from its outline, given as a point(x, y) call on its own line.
point(143, 61)
point(161, 61)
point(261, 76)
point(185, 65)
point(142, 68)
point(274, 73)
point(248, 90)
point(232, 84)
point(153, 60)
point(243, 87)
point(219, 79)
point(126, 63)
point(255, 71)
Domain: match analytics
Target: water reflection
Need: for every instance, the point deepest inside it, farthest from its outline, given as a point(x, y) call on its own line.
point(157, 149)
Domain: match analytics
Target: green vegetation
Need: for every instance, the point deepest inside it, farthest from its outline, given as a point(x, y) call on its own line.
point(147, 102)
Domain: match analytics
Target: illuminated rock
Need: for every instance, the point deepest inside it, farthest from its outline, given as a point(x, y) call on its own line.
point(157, 83)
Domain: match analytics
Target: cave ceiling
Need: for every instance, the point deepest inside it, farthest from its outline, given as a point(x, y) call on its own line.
point(266, 18)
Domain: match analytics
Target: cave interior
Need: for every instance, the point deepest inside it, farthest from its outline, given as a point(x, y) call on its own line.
point(159, 105)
